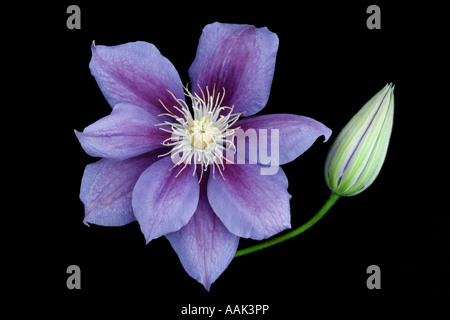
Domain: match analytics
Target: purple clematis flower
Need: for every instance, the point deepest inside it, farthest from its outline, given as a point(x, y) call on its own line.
point(200, 201)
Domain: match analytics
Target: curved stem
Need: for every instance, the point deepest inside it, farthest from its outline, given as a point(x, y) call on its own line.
point(333, 198)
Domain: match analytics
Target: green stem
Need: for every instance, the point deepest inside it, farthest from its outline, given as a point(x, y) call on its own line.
point(333, 198)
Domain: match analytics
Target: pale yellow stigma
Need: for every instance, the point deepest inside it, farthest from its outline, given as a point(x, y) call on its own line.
point(200, 137)
point(203, 133)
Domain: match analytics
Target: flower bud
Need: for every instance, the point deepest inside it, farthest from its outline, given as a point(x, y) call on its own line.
point(358, 152)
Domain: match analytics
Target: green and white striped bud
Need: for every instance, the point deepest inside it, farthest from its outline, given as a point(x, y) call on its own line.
point(358, 152)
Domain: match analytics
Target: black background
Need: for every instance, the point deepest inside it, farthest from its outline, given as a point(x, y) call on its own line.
point(328, 65)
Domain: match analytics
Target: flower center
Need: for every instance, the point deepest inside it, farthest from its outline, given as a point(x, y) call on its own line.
point(200, 137)
point(203, 132)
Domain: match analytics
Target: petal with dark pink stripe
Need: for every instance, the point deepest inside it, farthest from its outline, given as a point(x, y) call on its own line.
point(249, 204)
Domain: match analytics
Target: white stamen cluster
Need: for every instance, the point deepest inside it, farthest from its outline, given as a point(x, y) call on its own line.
point(200, 137)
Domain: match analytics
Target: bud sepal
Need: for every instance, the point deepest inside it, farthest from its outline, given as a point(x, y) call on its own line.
point(359, 151)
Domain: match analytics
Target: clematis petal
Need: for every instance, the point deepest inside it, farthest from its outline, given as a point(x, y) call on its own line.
point(127, 132)
point(205, 246)
point(296, 134)
point(162, 202)
point(106, 189)
point(239, 58)
point(249, 204)
point(136, 73)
